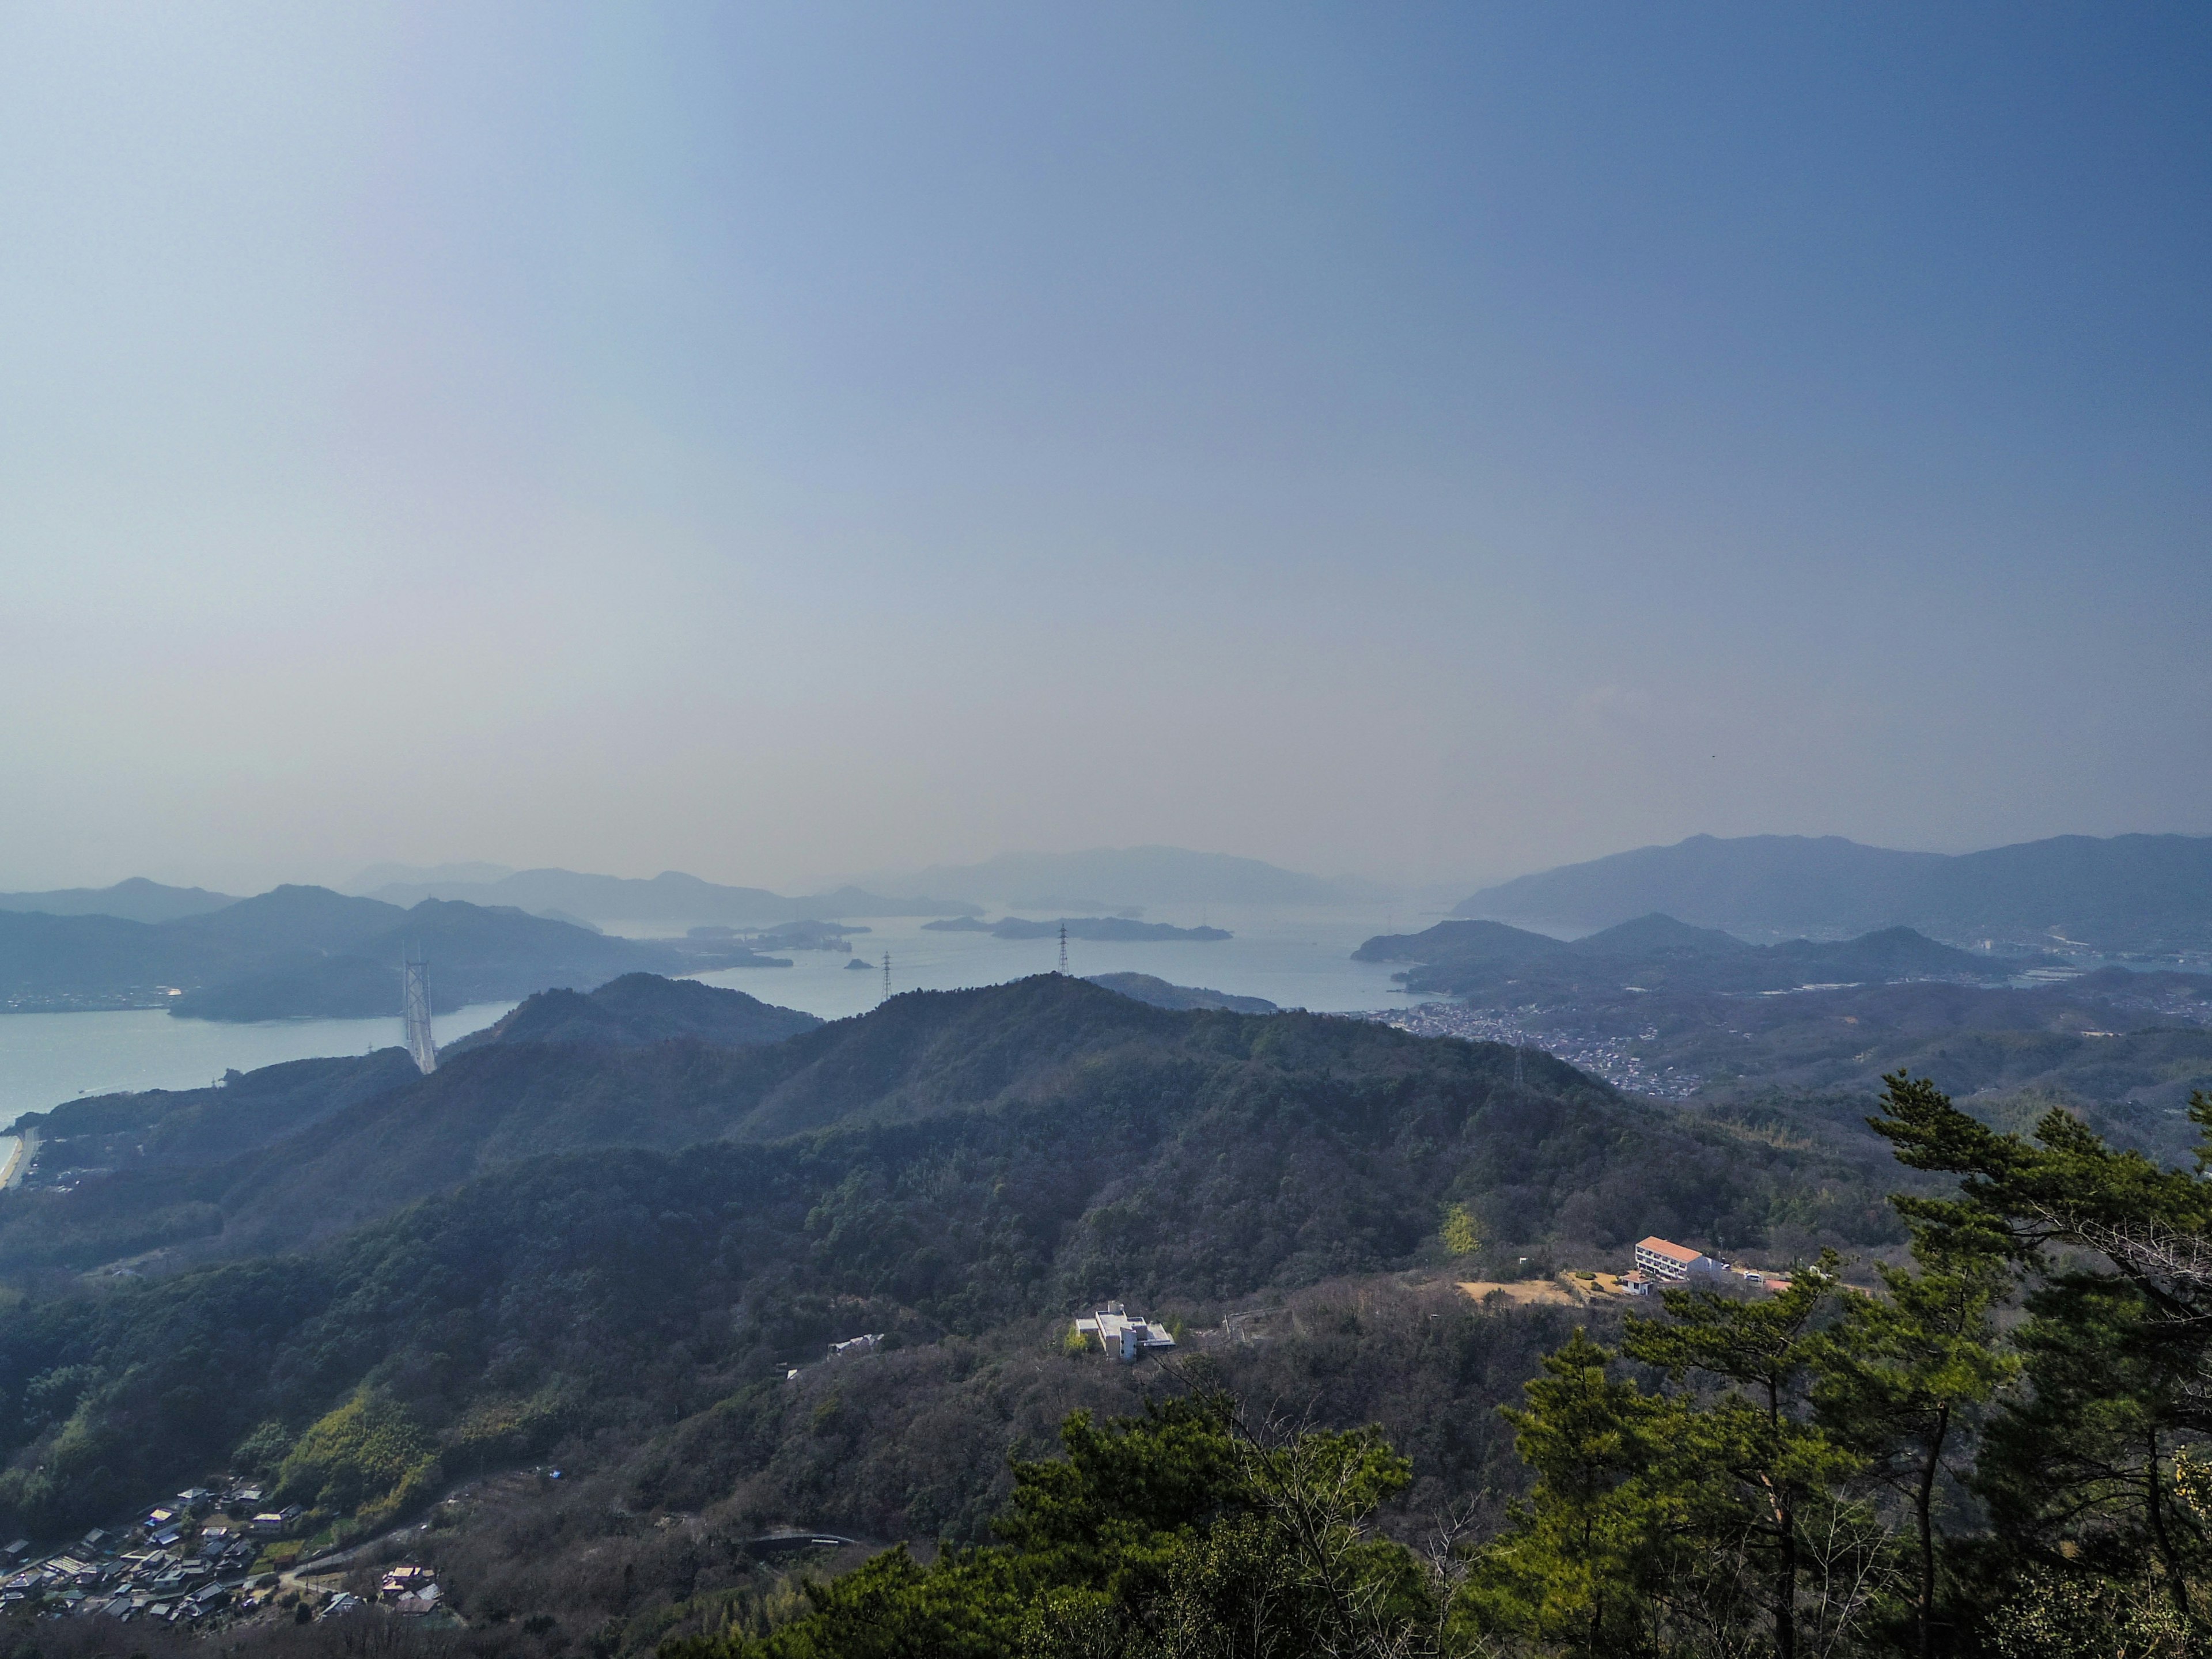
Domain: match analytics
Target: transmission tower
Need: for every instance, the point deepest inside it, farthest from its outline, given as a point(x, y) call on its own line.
point(421, 1045)
point(887, 975)
point(1063, 948)
point(1520, 1078)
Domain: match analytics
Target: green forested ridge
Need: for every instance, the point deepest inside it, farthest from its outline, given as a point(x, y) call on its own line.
point(1827, 1471)
point(639, 1008)
point(206, 1126)
point(1038, 1042)
point(1005, 1155)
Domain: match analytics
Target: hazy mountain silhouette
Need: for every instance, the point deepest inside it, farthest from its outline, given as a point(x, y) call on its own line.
point(2124, 892)
point(1491, 960)
point(668, 898)
point(297, 951)
point(135, 900)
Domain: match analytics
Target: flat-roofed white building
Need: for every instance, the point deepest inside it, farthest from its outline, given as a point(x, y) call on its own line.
point(1121, 1334)
point(1669, 1263)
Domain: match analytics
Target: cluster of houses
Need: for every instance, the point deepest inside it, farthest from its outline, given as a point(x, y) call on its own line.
point(406, 1590)
point(1661, 1262)
point(172, 1565)
point(411, 1590)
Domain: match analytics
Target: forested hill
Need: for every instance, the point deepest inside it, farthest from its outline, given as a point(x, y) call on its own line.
point(917, 1055)
point(1033, 1045)
point(639, 1008)
point(160, 1128)
point(981, 1157)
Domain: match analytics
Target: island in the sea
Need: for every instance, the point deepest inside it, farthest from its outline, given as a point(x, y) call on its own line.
point(1116, 930)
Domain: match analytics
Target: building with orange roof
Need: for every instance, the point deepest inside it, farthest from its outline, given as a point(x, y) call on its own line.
point(1665, 1262)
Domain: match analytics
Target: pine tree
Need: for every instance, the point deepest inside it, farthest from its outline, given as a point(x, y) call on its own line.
point(1762, 1458)
point(1899, 1375)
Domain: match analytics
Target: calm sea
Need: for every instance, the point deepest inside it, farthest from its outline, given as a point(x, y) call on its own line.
point(1296, 960)
point(46, 1058)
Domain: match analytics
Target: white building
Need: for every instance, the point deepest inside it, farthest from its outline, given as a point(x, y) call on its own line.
point(1122, 1336)
point(1666, 1262)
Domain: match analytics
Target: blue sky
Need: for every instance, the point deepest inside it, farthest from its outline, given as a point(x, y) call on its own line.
point(782, 442)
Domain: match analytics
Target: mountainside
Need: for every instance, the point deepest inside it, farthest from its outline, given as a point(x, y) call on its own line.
point(168, 1127)
point(2127, 892)
point(135, 900)
point(915, 1055)
point(307, 951)
point(668, 898)
point(981, 1157)
point(1110, 878)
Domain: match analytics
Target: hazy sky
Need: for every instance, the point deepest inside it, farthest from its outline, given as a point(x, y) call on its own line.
point(779, 442)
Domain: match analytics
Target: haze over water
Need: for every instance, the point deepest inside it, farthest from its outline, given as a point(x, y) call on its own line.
point(47, 1059)
point(1296, 959)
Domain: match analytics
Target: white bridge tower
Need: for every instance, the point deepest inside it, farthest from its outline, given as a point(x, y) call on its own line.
point(422, 1047)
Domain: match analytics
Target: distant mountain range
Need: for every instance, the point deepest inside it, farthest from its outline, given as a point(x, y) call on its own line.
point(669, 898)
point(2127, 893)
point(298, 951)
point(135, 900)
point(1491, 961)
point(1106, 878)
